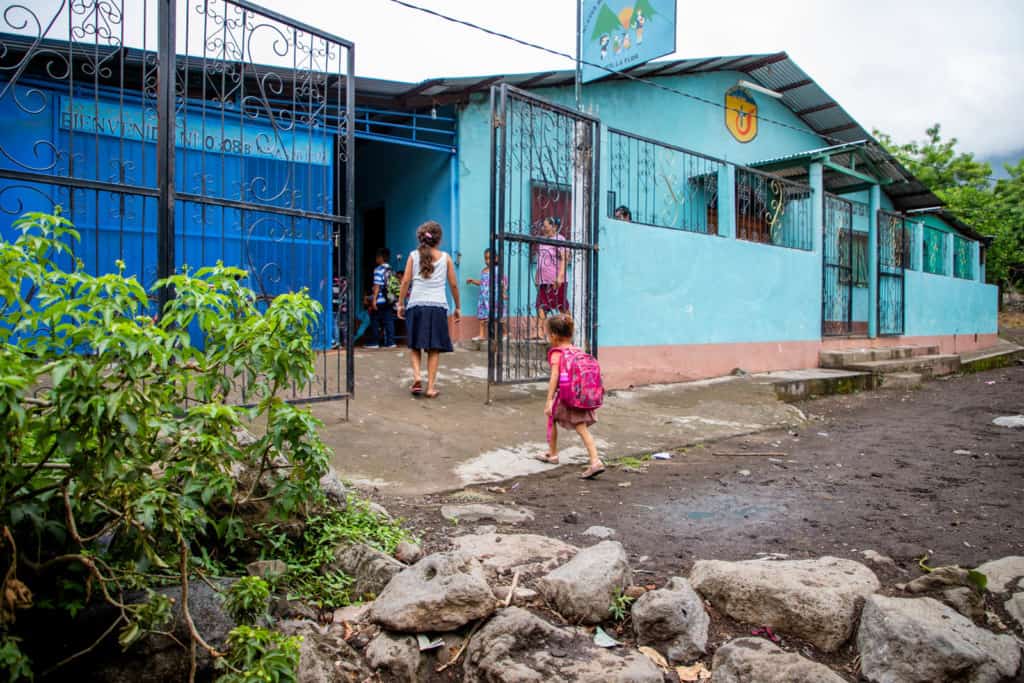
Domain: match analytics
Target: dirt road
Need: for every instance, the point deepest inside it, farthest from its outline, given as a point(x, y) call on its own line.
point(901, 473)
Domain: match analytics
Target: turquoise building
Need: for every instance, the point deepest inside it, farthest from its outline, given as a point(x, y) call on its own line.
point(759, 233)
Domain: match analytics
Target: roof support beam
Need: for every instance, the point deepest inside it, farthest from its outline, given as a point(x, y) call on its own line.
point(833, 166)
point(794, 85)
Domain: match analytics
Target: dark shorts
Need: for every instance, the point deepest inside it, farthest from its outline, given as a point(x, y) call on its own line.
point(427, 328)
point(552, 299)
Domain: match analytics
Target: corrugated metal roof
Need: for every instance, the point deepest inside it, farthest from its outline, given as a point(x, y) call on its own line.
point(800, 93)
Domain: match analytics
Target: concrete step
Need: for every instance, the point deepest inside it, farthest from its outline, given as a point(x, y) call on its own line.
point(903, 381)
point(999, 356)
point(797, 385)
point(934, 365)
point(844, 358)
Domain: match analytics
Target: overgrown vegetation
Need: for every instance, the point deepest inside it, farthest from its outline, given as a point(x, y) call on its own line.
point(123, 465)
point(620, 606)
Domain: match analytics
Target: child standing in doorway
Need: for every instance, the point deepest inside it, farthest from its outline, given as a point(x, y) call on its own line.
point(483, 306)
point(552, 262)
point(560, 333)
point(382, 309)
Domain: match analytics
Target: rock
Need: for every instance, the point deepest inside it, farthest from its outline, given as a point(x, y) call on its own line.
point(379, 511)
point(571, 517)
point(267, 569)
point(370, 569)
point(1011, 421)
point(408, 552)
point(937, 579)
point(1001, 573)
point(324, 656)
point(817, 600)
point(966, 601)
point(155, 657)
point(521, 595)
point(396, 658)
point(282, 608)
point(519, 647)
point(673, 621)
point(918, 640)
point(634, 592)
point(878, 559)
point(484, 529)
point(334, 488)
point(601, 532)
point(584, 588)
point(441, 592)
point(475, 512)
point(504, 554)
point(1015, 608)
point(756, 660)
point(243, 437)
point(354, 614)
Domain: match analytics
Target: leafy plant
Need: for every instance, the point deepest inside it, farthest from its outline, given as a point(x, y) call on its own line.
point(256, 655)
point(121, 462)
point(13, 661)
point(631, 462)
point(620, 605)
point(247, 599)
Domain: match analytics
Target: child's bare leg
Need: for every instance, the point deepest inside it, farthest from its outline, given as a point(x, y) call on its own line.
point(483, 329)
point(588, 441)
point(553, 445)
point(414, 358)
point(433, 360)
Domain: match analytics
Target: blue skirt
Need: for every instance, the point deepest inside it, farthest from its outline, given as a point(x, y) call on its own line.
point(427, 328)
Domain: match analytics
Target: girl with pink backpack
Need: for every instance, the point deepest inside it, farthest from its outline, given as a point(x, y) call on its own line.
point(575, 391)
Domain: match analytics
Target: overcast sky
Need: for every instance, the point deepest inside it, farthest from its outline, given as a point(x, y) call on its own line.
point(898, 65)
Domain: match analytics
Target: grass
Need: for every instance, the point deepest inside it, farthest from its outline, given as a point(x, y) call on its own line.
point(630, 462)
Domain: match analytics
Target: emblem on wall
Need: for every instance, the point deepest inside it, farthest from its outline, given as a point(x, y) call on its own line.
point(740, 114)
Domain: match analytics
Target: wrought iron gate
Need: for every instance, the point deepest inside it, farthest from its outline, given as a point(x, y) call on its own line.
point(544, 189)
point(892, 254)
point(182, 133)
point(837, 285)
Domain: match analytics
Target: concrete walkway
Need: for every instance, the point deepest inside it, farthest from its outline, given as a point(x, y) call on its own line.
point(413, 446)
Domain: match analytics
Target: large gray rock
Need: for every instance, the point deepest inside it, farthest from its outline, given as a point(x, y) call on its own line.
point(324, 656)
point(408, 552)
point(817, 600)
point(584, 588)
point(756, 660)
point(1015, 608)
point(919, 640)
point(334, 488)
point(1003, 572)
point(371, 570)
point(519, 647)
point(155, 657)
point(395, 658)
point(504, 554)
point(673, 621)
point(441, 592)
point(475, 512)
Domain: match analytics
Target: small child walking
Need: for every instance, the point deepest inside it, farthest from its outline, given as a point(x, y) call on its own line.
point(483, 306)
point(560, 330)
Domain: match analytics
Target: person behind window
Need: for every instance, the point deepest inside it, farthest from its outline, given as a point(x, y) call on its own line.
point(623, 213)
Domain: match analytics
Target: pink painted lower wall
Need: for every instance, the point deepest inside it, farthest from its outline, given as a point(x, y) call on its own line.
point(626, 366)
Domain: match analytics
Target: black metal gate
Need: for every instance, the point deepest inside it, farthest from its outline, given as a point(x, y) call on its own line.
point(544, 189)
point(892, 254)
point(182, 133)
point(837, 281)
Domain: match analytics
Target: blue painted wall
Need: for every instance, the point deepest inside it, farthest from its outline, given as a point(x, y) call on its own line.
point(942, 304)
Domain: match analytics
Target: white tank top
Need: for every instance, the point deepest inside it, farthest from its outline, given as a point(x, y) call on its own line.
point(433, 290)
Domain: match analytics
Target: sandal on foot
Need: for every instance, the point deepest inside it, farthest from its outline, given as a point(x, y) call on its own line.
point(417, 388)
point(547, 458)
point(432, 394)
point(592, 472)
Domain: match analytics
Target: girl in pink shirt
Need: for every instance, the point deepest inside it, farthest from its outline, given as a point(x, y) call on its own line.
point(550, 276)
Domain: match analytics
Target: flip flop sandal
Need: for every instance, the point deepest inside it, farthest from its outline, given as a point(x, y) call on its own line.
point(417, 388)
point(592, 473)
point(544, 458)
point(432, 394)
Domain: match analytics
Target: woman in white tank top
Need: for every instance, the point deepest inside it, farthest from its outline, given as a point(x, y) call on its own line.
point(430, 272)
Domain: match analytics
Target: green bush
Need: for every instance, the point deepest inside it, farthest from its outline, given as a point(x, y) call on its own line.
point(118, 438)
point(247, 599)
point(256, 655)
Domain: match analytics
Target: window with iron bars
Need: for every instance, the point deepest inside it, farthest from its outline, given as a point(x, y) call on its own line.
point(933, 252)
point(772, 211)
point(963, 263)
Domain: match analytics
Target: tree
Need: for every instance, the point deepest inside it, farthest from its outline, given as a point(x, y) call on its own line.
point(965, 186)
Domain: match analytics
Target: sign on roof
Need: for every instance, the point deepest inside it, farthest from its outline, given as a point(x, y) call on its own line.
point(621, 34)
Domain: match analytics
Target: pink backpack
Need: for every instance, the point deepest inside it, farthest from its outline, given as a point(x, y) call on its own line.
point(579, 380)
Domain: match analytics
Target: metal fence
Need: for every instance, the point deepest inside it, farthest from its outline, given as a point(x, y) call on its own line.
point(182, 134)
point(933, 251)
point(662, 185)
point(963, 258)
point(772, 210)
point(892, 256)
point(837, 262)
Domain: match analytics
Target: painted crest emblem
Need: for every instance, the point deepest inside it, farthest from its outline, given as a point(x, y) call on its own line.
point(740, 114)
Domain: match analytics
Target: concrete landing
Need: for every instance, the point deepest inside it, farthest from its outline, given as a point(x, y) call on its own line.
point(412, 446)
point(932, 365)
point(1003, 354)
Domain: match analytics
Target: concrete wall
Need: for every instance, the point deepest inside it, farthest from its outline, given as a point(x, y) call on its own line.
point(944, 305)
